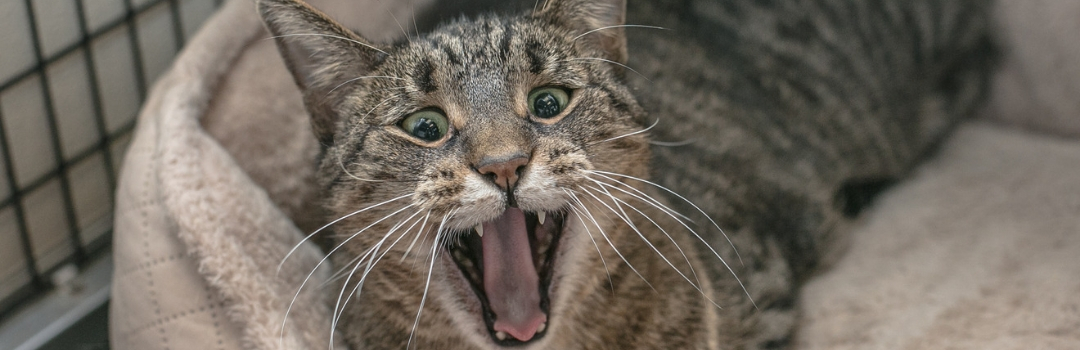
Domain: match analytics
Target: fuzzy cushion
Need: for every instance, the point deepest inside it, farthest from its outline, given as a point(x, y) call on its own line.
point(980, 249)
point(197, 240)
point(1038, 86)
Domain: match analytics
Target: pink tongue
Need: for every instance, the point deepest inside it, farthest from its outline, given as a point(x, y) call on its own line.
point(510, 279)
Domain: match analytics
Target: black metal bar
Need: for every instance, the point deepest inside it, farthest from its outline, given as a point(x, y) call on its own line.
point(28, 293)
point(20, 213)
point(88, 247)
point(72, 47)
point(19, 297)
point(54, 139)
point(136, 50)
point(79, 157)
point(178, 24)
point(95, 95)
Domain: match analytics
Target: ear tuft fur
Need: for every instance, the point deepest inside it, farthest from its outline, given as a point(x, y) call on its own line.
point(321, 54)
point(598, 21)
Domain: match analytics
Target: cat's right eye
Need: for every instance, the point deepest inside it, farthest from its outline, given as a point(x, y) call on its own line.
point(428, 125)
point(547, 102)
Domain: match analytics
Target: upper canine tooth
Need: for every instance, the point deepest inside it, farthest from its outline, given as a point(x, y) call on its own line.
point(540, 217)
point(480, 230)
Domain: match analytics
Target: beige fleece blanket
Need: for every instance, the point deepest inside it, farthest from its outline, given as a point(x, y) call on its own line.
point(979, 250)
point(202, 225)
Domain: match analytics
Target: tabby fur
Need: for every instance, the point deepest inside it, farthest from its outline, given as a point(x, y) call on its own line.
point(768, 119)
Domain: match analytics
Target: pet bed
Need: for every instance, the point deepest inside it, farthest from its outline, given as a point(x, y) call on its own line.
point(978, 250)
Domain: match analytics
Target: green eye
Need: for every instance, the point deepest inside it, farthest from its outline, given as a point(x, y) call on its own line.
point(547, 102)
point(428, 125)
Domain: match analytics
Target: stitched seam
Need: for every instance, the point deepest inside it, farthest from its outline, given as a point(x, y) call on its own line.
point(148, 197)
point(153, 263)
point(161, 322)
point(217, 324)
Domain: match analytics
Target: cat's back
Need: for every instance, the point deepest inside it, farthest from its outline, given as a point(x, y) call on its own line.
point(765, 109)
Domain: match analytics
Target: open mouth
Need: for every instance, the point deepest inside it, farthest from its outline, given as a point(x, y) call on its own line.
point(508, 262)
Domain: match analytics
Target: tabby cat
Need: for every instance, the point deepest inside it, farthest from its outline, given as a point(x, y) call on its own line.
point(560, 179)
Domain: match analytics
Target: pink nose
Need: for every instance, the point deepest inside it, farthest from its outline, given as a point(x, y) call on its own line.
point(504, 172)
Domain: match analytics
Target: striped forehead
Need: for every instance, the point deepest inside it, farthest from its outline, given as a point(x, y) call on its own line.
point(472, 61)
point(489, 47)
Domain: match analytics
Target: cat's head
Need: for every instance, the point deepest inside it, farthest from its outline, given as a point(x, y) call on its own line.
point(463, 163)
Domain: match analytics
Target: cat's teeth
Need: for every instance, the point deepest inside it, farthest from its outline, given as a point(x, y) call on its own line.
point(542, 327)
point(540, 217)
point(480, 230)
point(501, 335)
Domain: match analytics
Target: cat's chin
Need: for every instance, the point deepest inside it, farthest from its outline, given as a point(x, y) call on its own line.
point(508, 263)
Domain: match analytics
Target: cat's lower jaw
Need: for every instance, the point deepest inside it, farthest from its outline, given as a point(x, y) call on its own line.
point(508, 263)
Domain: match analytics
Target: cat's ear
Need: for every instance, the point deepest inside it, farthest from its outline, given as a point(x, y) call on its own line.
point(597, 21)
point(320, 53)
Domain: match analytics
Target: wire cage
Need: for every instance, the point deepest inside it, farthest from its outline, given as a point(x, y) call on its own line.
point(74, 74)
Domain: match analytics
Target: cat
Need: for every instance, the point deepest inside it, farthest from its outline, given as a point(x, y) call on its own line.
point(561, 179)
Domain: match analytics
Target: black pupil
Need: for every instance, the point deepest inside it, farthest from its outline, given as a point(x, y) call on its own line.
point(546, 105)
point(426, 129)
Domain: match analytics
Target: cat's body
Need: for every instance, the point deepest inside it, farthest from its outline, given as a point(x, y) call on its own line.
point(783, 106)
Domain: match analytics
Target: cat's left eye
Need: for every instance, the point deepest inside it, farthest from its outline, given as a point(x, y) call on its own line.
point(428, 125)
point(547, 102)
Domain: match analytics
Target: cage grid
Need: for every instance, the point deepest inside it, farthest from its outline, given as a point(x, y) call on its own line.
point(74, 74)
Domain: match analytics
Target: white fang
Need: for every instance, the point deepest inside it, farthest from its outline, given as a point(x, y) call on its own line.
point(540, 217)
point(480, 230)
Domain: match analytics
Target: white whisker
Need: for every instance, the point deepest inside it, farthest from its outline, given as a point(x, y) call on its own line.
point(323, 260)
point(626, 219)
point(702, 239)
point(616, 26)
point(665, 189)
point(354, 177)
point(332, 36)
point(391, 13)
point(642, 196)
point(418, 234)
point(431, 269)
point(661, 228)
point(363, 77)
point(588, 214)
point(393, 229)
point(660, 206)
point(629, 134)
point(412, 13)
point(597, 246)
point(673, 144)
point(338, 308)
point(371, 265)
point(312, 234)
point(373, 108)
point(608, 61)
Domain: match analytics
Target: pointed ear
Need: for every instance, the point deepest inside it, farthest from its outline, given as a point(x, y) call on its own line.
point(321, 54)
point(598, 21)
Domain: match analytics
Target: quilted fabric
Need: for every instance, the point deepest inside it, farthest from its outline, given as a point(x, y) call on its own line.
point(198, 242)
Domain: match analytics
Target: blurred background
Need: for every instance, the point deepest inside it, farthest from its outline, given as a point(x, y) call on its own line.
point(73, 74)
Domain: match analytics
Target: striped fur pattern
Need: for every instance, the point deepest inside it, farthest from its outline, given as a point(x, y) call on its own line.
point(768, 119)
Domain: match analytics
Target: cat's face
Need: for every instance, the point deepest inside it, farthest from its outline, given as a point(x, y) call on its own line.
point(464, 166)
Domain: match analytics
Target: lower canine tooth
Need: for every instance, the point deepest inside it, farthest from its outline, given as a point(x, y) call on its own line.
point(480, 230)
point(542, 327)
point(501, 335)
point(540, 217)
